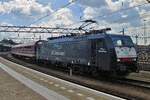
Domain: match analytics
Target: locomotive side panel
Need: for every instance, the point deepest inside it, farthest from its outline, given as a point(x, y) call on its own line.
point(76, 52)
point(89, 52)
point(102, 55)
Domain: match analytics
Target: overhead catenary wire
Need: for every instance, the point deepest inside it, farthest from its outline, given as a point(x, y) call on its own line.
point(109, 14)
point(64, 6)
point(124, 9)
point(105, 15)
point(92, 18)
point(81, 21)
point(128, 18)
point(114, 21)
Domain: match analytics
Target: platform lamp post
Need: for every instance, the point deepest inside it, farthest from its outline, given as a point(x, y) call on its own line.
point(123, 33)
point(40, 38)
point(145, 40)
point(136, 37)
point(0, 35)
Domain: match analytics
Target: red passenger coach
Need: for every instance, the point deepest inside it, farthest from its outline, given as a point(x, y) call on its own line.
point(25, 50)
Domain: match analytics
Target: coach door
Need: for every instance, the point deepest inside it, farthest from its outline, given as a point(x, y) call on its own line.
point(101, 54)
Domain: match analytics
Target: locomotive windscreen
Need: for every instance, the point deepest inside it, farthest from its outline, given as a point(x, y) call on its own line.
point(124, 47)
point(122, 41)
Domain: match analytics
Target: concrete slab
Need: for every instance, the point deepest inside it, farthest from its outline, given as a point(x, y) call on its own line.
point(46, 93)
point(67, 89)
point(11, 89)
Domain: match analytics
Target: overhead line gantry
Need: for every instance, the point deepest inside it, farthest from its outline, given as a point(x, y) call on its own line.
point(36, 29)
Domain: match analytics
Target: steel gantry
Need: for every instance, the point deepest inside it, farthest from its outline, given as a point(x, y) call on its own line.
point(26, 29)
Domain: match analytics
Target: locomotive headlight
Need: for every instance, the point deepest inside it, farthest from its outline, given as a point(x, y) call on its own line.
point(118, 60)
point(134, 59)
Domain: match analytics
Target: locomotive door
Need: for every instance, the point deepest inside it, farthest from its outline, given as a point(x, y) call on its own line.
point(101, 54)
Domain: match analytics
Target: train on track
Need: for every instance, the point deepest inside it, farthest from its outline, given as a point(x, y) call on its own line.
point(92, 53)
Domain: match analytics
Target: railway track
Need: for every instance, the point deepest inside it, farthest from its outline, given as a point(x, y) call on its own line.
point(125, 88)
point(136, 83)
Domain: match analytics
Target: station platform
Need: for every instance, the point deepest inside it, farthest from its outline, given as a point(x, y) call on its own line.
point(20, 83)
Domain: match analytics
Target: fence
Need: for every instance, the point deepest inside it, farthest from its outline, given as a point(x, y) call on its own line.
point(144, 57)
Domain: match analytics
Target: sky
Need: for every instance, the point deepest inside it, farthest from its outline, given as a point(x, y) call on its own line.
point(108, 13)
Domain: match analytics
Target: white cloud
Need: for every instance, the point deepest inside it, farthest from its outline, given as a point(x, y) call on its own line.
point(114, 5)
point(145, 15)
point(60, 18)
point(24, 6)
point(137, 2)
point(5, 23)
point(92, 8)
point(124, 16)
point(111, 4)
point(90, 12)
point(3, 34)
point(92, 3)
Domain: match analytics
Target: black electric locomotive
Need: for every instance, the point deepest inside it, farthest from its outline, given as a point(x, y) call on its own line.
point(93, 53)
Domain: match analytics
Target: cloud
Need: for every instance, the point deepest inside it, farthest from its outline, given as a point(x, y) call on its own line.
point(5, 23)
point(25, 7)
point(91, 9)
point(60, 18)
point(136, 2)
point(3, 34)
point(92, 3)
point(114, 5)
point(90, 12)
point(110, 6)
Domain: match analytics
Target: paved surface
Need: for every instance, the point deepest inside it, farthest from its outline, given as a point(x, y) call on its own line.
point(48, 94)
point(142, 75)
point(11, 89)
point(49, 87)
